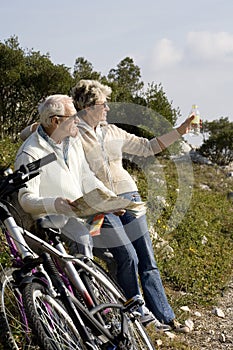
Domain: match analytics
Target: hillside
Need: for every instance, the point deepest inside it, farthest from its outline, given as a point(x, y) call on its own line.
point(195, 257)
point(190, 220)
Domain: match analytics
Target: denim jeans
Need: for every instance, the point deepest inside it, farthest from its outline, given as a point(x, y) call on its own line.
point(128, 239)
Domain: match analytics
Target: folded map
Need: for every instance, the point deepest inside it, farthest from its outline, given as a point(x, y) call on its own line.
point(98, 201)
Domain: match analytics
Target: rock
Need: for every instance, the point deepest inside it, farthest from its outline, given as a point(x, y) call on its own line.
point(198, 158)
point(163, 248)
point(218, 312)
point(159, 181)
point(230, 174)
point(205, 187)
point(204, 240)
point(185, 308)
point(222, 338)
point(212, 332)
point(161, 200)
point(189, 323)
point(197, 314)
point(170, 335)
point(153, 233)
point(159, 342)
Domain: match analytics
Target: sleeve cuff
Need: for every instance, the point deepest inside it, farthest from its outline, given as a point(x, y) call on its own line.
point(49, 205)
point(169, 138)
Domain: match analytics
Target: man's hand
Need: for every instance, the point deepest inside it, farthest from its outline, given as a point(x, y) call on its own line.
point(64, 206)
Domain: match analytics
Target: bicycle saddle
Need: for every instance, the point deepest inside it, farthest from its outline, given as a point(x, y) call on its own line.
point(52, 221)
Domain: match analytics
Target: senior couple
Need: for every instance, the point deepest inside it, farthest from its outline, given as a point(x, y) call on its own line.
point(90, 157)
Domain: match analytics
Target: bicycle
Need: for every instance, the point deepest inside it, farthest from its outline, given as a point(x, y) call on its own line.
point(63, 302)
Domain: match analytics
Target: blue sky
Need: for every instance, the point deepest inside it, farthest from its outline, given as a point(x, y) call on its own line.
point(187, 46)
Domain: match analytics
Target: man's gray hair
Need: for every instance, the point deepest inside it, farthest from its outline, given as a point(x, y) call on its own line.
point(53, 105)
point(87, 92)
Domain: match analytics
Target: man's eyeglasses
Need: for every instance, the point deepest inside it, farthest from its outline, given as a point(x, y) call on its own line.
point(75, 116)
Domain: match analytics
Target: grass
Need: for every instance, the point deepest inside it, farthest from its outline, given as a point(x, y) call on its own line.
point(201, 238)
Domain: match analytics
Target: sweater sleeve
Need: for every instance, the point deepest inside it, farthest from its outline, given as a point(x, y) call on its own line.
point(29, 197)
point(36, 205)
point(168, 139)
point(26, 132)
point(143, 147)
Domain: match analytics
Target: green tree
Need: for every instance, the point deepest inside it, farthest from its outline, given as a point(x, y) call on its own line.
point(11, 64)
point(157, 114)
point(218, 147)
point(41, 78)
point(83, 69)
point(28, 76)
point(25, 78)
point(157, 100)
point(125, 81)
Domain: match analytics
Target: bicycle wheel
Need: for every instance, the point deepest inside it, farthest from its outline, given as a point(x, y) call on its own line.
point(100, 293)
point(15, 333)
point(137, 337)
point(50, 322)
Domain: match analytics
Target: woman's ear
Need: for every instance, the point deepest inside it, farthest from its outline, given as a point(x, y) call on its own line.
point(82, 113)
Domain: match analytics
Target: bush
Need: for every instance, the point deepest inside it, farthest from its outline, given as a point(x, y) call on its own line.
point(8, 150)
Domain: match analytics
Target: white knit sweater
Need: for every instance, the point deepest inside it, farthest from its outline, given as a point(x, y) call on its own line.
point(56, 179)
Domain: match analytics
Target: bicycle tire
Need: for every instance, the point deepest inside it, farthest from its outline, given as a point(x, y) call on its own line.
point(138, 339)
point(15, 334)
point(98, 291)
point(49, 320)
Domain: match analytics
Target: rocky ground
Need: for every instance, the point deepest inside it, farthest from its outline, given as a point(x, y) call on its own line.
point(213, 328)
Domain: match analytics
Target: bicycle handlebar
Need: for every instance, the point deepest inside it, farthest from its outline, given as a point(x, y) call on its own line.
point(13, 182)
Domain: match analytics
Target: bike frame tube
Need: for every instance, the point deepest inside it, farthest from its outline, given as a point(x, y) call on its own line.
point(74, 277)
point(16, 235)
point(64, 257)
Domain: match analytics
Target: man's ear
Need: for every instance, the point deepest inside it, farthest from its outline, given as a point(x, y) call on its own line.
point(54, 121)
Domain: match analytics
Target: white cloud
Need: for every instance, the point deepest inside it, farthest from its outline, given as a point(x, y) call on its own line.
point(201, 46)
point(211, 46)
point(195, 70)
point(165, 54)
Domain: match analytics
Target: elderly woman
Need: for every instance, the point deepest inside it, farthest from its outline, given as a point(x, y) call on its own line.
point(103, 145)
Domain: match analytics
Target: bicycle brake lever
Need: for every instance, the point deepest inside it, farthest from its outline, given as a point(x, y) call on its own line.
point(37, 164)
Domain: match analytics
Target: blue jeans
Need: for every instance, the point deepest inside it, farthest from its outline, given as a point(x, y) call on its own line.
point(128, 239)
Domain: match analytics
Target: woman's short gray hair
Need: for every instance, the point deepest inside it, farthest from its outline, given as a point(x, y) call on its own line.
point(87, 92)
point(53, 105)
